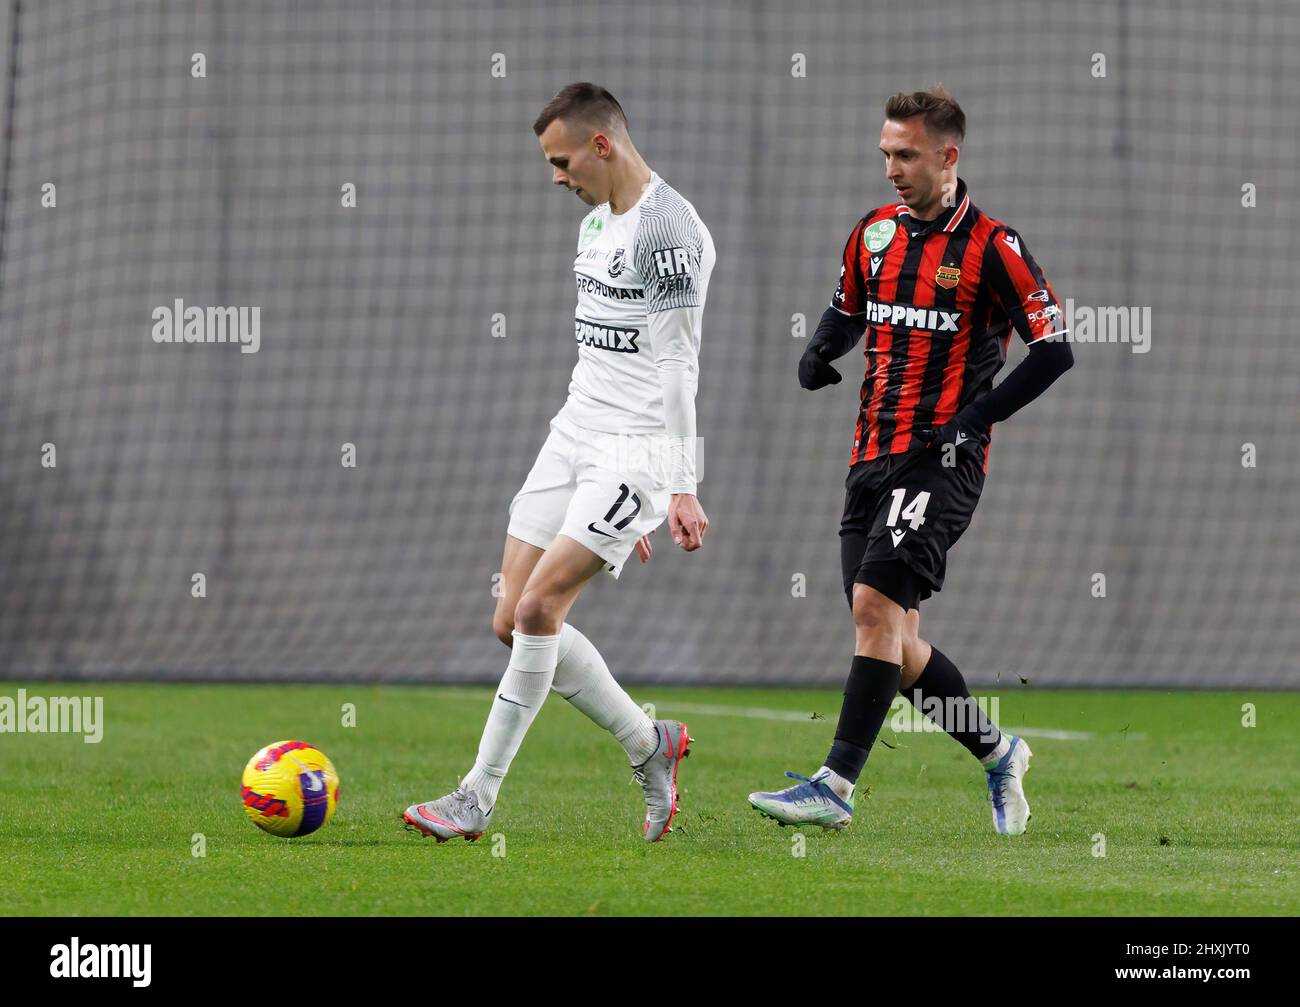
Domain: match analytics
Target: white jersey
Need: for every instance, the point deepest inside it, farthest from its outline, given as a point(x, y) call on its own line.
point(655, 257)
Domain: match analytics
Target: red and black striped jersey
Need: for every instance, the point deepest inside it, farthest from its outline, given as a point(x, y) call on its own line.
point(939, 299)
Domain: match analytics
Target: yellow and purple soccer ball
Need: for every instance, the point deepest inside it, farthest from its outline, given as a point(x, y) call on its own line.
point(290, 788)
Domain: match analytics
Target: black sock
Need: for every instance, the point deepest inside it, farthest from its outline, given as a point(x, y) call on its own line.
point(949, 700)
point(868, 694)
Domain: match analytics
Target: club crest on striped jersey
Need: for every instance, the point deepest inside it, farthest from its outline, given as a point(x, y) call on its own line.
point(616, 262)
point(947, 276)
point(879, 235)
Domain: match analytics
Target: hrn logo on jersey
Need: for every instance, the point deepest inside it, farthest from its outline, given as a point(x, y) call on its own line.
point(672, 261)
point(674, 268)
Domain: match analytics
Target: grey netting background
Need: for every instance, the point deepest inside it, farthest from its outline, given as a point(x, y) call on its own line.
point(377, 330)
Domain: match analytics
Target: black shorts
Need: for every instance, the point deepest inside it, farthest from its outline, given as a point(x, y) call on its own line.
point(902, 513)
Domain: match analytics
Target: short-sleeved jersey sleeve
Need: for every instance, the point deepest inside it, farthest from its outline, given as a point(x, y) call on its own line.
point(850, 290)
point(1017, 285)
point(669, 256)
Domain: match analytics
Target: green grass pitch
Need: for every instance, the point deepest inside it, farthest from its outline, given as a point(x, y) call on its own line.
point(1198, 812)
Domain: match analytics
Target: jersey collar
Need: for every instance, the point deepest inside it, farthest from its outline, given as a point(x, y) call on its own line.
point(645, 191)
point(951, 218)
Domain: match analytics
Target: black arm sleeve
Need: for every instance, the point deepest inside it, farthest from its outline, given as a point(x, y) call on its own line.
point(1046, 362)
point(836, 334)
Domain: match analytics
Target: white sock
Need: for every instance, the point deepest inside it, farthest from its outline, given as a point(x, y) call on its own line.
point(842, 787)
point(1003, 747)
point(523, 689)
point(583, 678)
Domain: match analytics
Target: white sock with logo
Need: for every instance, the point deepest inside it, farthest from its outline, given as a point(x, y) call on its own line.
point(583, 678)
point(523, 689)
point(842, 787)
point(992, 758)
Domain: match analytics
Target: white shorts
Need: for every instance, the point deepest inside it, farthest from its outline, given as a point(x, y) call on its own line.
point(600, 489)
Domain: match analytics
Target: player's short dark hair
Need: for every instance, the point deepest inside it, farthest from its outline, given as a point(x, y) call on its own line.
point(582, 102)
point(943, 116)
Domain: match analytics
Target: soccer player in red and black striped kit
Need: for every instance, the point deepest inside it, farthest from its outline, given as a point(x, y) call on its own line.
point(938, 287)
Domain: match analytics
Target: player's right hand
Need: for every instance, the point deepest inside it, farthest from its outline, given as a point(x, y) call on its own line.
point(815, 370)
point(687, 521)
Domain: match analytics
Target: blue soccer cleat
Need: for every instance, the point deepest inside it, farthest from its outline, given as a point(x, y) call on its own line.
point(811, 802)
point(1007, 791)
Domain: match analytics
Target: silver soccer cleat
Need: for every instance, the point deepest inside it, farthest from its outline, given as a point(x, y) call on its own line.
point(457, 814)
point(658, 778)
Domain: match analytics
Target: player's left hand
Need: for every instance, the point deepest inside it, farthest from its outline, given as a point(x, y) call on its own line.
point(958, 431)
point(644, 549)
point(687, 521)
point(815, 371)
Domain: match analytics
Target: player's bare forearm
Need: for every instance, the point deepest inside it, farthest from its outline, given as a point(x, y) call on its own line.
point(687, 521)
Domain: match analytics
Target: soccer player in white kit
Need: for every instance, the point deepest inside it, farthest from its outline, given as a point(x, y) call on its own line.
point(620, 457)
